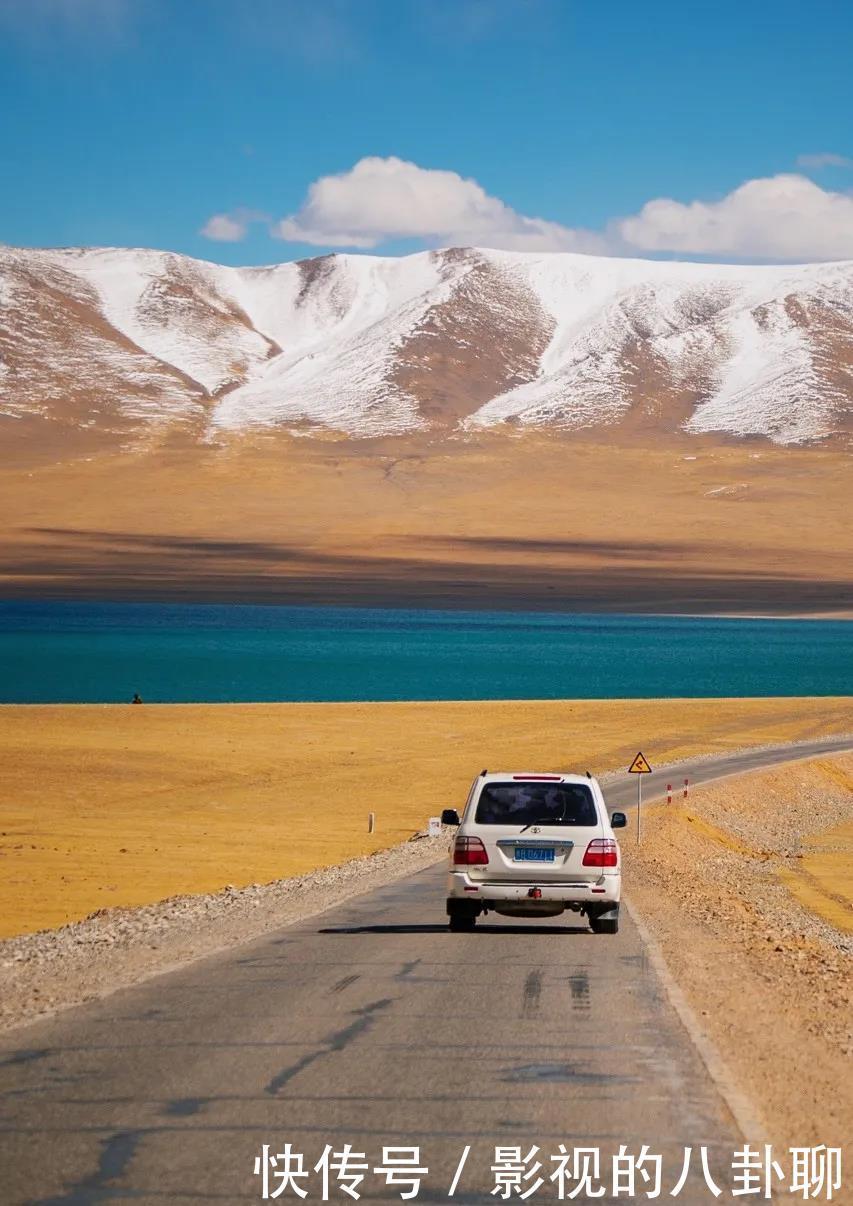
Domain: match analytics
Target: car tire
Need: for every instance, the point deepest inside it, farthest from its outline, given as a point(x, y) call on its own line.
point(604, 925)
point(459, 923)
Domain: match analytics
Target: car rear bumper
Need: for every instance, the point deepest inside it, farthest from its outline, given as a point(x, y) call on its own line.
point(461, 886)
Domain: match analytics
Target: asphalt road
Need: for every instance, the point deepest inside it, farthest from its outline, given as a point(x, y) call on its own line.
point(370, 1025)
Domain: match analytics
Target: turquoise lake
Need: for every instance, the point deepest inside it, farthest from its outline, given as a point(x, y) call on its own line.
point(104, 652)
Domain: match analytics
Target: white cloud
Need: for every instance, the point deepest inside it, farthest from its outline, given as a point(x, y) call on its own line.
point(233, 227)
point(784, 217)
point(222, 228)
point(380, 199)
point(823, 159)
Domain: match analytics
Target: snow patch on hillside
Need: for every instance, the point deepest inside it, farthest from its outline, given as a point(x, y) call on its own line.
point(181, 311)
point(700, 319)
point(338, 341)
point(741, 350)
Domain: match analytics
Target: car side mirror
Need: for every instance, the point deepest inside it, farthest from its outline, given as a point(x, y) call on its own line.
point(449, 816)
point(618, 820)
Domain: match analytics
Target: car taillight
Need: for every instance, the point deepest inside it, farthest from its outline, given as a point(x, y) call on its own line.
point(469, 852)
point(601, 852)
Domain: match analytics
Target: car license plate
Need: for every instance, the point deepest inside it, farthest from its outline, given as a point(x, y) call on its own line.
point(534, 854)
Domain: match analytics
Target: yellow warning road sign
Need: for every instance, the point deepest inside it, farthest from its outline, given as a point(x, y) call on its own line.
point(639, 766)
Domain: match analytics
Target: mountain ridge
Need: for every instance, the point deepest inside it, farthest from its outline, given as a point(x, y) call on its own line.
point(136, 341)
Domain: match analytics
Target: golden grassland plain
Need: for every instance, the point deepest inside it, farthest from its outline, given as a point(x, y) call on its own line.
point(504, 519)
point(120, 805)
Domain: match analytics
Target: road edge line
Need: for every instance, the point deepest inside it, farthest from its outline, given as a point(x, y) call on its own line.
point(747, 1117)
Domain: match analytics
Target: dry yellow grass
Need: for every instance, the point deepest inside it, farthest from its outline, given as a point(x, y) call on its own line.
point(120, 805)
point(714, 834)
point(823, 882)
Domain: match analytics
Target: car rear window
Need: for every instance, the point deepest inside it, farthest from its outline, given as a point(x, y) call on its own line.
point(529, 803)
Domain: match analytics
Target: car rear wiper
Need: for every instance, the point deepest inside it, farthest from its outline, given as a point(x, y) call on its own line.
point(556, 820)
point(542, 820)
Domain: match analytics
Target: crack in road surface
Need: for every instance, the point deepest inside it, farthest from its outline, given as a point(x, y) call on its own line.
point(116, 1153)
point(335, 1042)
point(25, 1057)
point(345, 983)
point(563, 1072)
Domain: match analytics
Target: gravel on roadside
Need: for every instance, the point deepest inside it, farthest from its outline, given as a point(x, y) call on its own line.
point(771, 981)
point(113, 948)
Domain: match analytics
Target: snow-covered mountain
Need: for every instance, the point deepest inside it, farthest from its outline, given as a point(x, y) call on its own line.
point(456, 339)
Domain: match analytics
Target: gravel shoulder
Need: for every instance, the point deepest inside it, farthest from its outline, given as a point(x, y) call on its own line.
point(768, 978)
point(51, 970)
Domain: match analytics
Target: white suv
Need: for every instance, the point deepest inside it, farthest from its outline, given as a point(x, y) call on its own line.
point(532, 845)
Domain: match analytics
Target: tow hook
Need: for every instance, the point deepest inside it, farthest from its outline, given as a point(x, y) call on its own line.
point(535, 893)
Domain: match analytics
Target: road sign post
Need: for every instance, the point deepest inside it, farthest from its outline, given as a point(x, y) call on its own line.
point(639, 767)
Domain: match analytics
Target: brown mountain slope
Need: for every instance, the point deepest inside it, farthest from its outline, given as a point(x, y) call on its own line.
point(64, 362)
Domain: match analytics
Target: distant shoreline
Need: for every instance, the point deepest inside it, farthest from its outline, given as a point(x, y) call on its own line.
point(408, 602)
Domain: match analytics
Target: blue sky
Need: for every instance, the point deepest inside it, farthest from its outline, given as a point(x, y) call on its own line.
point(135, 122)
